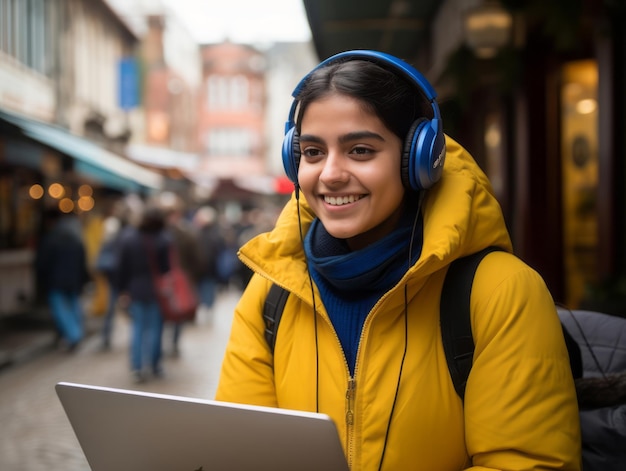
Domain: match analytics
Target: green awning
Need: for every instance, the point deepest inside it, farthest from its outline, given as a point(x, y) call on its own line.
point(91, 160)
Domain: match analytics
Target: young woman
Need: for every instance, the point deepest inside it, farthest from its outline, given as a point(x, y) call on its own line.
point(363, 248)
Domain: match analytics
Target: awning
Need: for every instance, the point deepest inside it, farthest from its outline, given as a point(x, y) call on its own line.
point(108, 168)
point(397, 27)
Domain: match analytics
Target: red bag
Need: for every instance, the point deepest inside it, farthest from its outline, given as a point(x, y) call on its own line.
point(176, 295)
point(177, 298)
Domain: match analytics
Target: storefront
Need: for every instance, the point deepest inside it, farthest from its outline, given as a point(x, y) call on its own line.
point(537, 95)
point(42, 166)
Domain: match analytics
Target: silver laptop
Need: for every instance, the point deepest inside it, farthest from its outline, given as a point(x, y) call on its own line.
point(126, 430)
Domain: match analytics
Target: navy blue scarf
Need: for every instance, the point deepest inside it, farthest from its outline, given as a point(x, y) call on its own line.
point(350, 282)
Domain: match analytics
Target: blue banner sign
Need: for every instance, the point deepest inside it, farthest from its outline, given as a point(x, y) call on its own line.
point(128, 83)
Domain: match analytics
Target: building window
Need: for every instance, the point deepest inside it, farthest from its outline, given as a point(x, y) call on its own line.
point(23, 32)
point(231, 142)
point(239, 92)
point(579, 164)
point(227, 92)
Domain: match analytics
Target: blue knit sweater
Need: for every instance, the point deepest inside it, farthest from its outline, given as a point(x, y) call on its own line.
point(351, 282)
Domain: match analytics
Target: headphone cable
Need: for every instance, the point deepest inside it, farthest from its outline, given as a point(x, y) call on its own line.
point(317, 358)
point(406, 329)
point(395, 397)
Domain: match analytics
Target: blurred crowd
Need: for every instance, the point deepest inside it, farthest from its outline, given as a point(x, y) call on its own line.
point(108, 264)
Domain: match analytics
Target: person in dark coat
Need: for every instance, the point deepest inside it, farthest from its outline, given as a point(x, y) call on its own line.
point(106, 264)
point(144, 252)
point(185, 249)
point(61, 267)
point(210, 244)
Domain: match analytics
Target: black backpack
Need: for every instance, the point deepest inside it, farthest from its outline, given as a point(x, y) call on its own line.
point(458, 345)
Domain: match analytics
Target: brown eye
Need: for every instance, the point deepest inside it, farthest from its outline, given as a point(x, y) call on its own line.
point(311, 152)
point(362, 152)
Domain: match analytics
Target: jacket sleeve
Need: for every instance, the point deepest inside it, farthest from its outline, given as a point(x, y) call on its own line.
point(247, 374)
point(520, 404)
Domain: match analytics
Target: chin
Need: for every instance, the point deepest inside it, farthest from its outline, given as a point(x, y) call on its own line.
point(340, 232)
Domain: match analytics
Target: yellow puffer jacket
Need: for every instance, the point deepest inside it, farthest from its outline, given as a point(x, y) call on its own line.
point(520, 409)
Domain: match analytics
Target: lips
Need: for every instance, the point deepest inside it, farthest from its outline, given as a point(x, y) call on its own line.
point(341, 200)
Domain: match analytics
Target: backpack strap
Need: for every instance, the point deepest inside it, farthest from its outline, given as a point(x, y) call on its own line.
point(272, 312)
point(455, 319)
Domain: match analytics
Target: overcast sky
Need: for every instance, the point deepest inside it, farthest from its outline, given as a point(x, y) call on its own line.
point(243, 21)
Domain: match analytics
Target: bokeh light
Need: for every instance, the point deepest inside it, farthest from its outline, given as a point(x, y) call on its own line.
point(56, 190)
point(85, 203)
point(85, 190)
point(36, 191)
point(66, 205)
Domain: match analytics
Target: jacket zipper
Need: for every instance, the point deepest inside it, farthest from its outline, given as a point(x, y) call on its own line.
point(350, 402)
point(350, 394)
point(351, 389)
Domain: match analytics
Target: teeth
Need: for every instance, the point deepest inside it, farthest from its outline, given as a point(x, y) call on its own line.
point(341, 200)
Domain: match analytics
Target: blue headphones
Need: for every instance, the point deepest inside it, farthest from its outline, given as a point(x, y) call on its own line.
point(424, 150)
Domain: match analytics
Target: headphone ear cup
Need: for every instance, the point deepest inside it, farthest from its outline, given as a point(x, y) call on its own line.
point(407, 160)
point(291, 154)
point(423, 155)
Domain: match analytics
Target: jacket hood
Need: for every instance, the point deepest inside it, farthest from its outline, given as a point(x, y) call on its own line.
point(461, 216)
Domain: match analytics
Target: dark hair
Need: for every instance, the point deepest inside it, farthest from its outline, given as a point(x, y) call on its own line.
point(153, 219)
point(395, 100)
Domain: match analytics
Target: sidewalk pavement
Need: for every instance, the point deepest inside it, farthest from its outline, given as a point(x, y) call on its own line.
point(25, 336)
point(35, 432)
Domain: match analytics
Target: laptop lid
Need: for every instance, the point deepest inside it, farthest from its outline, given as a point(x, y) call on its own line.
point(127, 430)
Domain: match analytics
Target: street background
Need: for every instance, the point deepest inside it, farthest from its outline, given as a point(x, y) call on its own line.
point(35, 433)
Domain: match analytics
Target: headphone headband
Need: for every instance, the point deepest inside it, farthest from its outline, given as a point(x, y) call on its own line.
point(381, 58)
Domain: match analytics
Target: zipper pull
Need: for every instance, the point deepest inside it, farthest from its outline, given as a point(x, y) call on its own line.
point(349, 401)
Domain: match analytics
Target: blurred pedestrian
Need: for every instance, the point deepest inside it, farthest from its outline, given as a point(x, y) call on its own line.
point(107, 262)
point(210, 243)
point(144, 252)
point(61, 267)
point(227, 261)
point(185, 248)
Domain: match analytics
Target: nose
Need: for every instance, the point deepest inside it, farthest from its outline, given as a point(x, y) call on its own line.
point(335, 169)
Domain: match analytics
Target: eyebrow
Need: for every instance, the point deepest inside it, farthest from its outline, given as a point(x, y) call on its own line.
point(352, 136)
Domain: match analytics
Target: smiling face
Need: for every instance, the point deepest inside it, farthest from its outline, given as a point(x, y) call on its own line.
point(349, 170)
